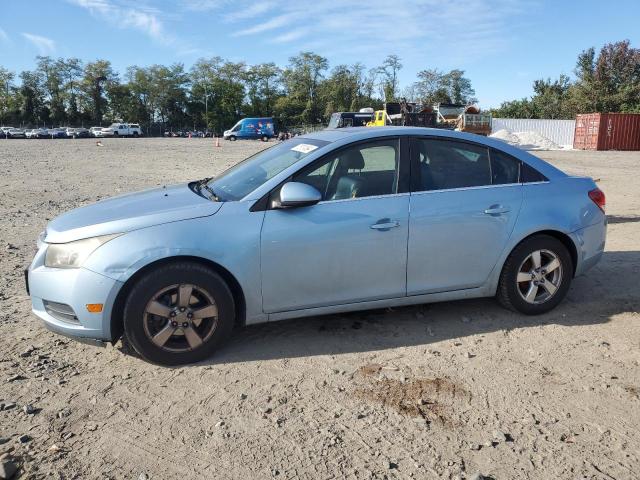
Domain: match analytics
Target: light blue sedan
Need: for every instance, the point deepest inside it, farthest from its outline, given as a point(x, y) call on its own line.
point(334, 221)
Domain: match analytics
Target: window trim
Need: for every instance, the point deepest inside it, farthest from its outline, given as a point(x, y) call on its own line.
point(402, 185)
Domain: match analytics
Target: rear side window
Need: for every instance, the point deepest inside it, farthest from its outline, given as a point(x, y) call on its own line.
point(446, 164)
point(504, 168)
point(530, 174)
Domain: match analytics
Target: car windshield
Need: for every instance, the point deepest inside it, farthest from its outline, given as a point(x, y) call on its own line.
point(246, 176)
point(334, 122)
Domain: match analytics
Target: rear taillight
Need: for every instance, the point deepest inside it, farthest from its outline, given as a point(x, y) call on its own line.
point(598, 198)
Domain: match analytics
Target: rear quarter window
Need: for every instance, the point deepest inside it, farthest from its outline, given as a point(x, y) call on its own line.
point(529, 174)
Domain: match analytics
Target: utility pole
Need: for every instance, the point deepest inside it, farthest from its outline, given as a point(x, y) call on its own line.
point(206, 107)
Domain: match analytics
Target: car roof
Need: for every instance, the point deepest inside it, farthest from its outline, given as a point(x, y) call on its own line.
point(354, 134)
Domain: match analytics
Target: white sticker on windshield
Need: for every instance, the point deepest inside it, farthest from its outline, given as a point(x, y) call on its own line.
point(304, 148)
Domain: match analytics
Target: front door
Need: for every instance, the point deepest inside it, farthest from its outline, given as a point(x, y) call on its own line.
point(350, 247)
point(464, 205)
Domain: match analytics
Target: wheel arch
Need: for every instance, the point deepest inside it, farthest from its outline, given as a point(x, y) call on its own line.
point(116, 320)
point(565, 239)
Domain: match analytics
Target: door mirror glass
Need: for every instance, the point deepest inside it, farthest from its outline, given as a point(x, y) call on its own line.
point(295, 194)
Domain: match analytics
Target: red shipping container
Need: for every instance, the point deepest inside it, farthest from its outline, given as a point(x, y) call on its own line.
point(607, 131)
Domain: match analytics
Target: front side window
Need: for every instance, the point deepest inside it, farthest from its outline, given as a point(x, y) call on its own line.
point(446, 164)
point(362, 170)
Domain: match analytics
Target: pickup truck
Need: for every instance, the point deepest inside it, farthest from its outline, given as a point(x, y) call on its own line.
point(120, 130)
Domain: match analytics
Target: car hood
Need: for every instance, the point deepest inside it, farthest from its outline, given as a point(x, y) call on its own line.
point(129, 212)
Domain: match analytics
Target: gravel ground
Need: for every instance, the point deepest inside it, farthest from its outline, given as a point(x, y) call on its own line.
point(445, 390)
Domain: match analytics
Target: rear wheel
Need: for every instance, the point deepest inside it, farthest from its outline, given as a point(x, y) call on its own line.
point(536, 276)
point(265, 138)
point(179, 313)
point(135, 134)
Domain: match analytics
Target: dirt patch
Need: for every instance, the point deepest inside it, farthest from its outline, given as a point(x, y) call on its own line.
point(633, 391)
point(433, 399)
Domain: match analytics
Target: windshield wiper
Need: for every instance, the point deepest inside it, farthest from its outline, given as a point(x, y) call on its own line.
point(210, 190)
point(203, 184)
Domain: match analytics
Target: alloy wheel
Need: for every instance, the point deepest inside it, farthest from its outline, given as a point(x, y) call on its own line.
point(180, 317)
point(539, 276)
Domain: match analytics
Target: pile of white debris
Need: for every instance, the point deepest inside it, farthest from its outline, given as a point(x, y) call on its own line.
point(526, 140)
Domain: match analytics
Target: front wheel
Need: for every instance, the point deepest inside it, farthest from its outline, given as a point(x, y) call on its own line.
point(179, 313)
point(536, 276)
point(232, 138)
point(265, 138)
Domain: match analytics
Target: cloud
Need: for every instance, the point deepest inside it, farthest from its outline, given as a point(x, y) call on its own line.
point(44, 45)
point(125, 15)
point(415, 29)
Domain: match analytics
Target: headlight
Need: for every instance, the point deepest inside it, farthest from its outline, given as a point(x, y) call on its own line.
point(73, 254)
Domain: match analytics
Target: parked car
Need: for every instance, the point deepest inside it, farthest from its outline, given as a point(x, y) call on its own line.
point(57, 133)
point(41, 133)
point(15, 133)
point(31, 133)
point(120, 130)
point(251, 128)
point(77, 133)
point(333, 221)
point(93, 130)
point(3, 131)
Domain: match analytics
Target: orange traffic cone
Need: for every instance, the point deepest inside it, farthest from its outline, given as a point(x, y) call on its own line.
point(217, 141)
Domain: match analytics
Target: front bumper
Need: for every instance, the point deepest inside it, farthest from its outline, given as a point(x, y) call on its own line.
point(74, 288)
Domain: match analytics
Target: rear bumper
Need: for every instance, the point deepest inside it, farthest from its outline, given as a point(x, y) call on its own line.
point(52, 288)
point(590, 242)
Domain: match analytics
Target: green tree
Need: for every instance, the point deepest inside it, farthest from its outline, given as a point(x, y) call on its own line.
point(53, 82)
point(434, 86)
point(389, 71)
point(71, 74)
point(96, 76)
point(6, 97)
point(263, 84)
point(302, 79)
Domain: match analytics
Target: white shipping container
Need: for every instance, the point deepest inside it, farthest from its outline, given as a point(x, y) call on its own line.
point(560, 132)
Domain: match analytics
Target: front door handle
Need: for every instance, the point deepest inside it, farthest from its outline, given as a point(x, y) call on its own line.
point(385, 224)
point(496, 210)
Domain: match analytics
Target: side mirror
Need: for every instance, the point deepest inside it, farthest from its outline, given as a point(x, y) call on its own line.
point(295, 194)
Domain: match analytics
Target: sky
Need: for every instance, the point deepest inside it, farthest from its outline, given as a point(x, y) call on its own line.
point(502, 45)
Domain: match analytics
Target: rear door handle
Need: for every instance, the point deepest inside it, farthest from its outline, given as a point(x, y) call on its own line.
point(496, 210)
point(385, 224)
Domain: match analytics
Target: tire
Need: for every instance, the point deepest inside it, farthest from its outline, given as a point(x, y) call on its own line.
point(232, 138)
point(265, 138)
point(115, 134)
point(135, 134)
point(532, 290)
point(159, 290)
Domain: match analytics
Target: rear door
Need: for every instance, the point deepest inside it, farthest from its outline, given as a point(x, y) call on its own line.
point(464, 204)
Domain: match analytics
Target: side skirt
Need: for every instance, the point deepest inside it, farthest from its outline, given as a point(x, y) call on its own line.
point(391, 302)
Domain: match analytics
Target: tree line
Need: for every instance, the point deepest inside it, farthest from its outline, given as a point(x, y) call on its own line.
point(213, 94)
point(606, 82)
